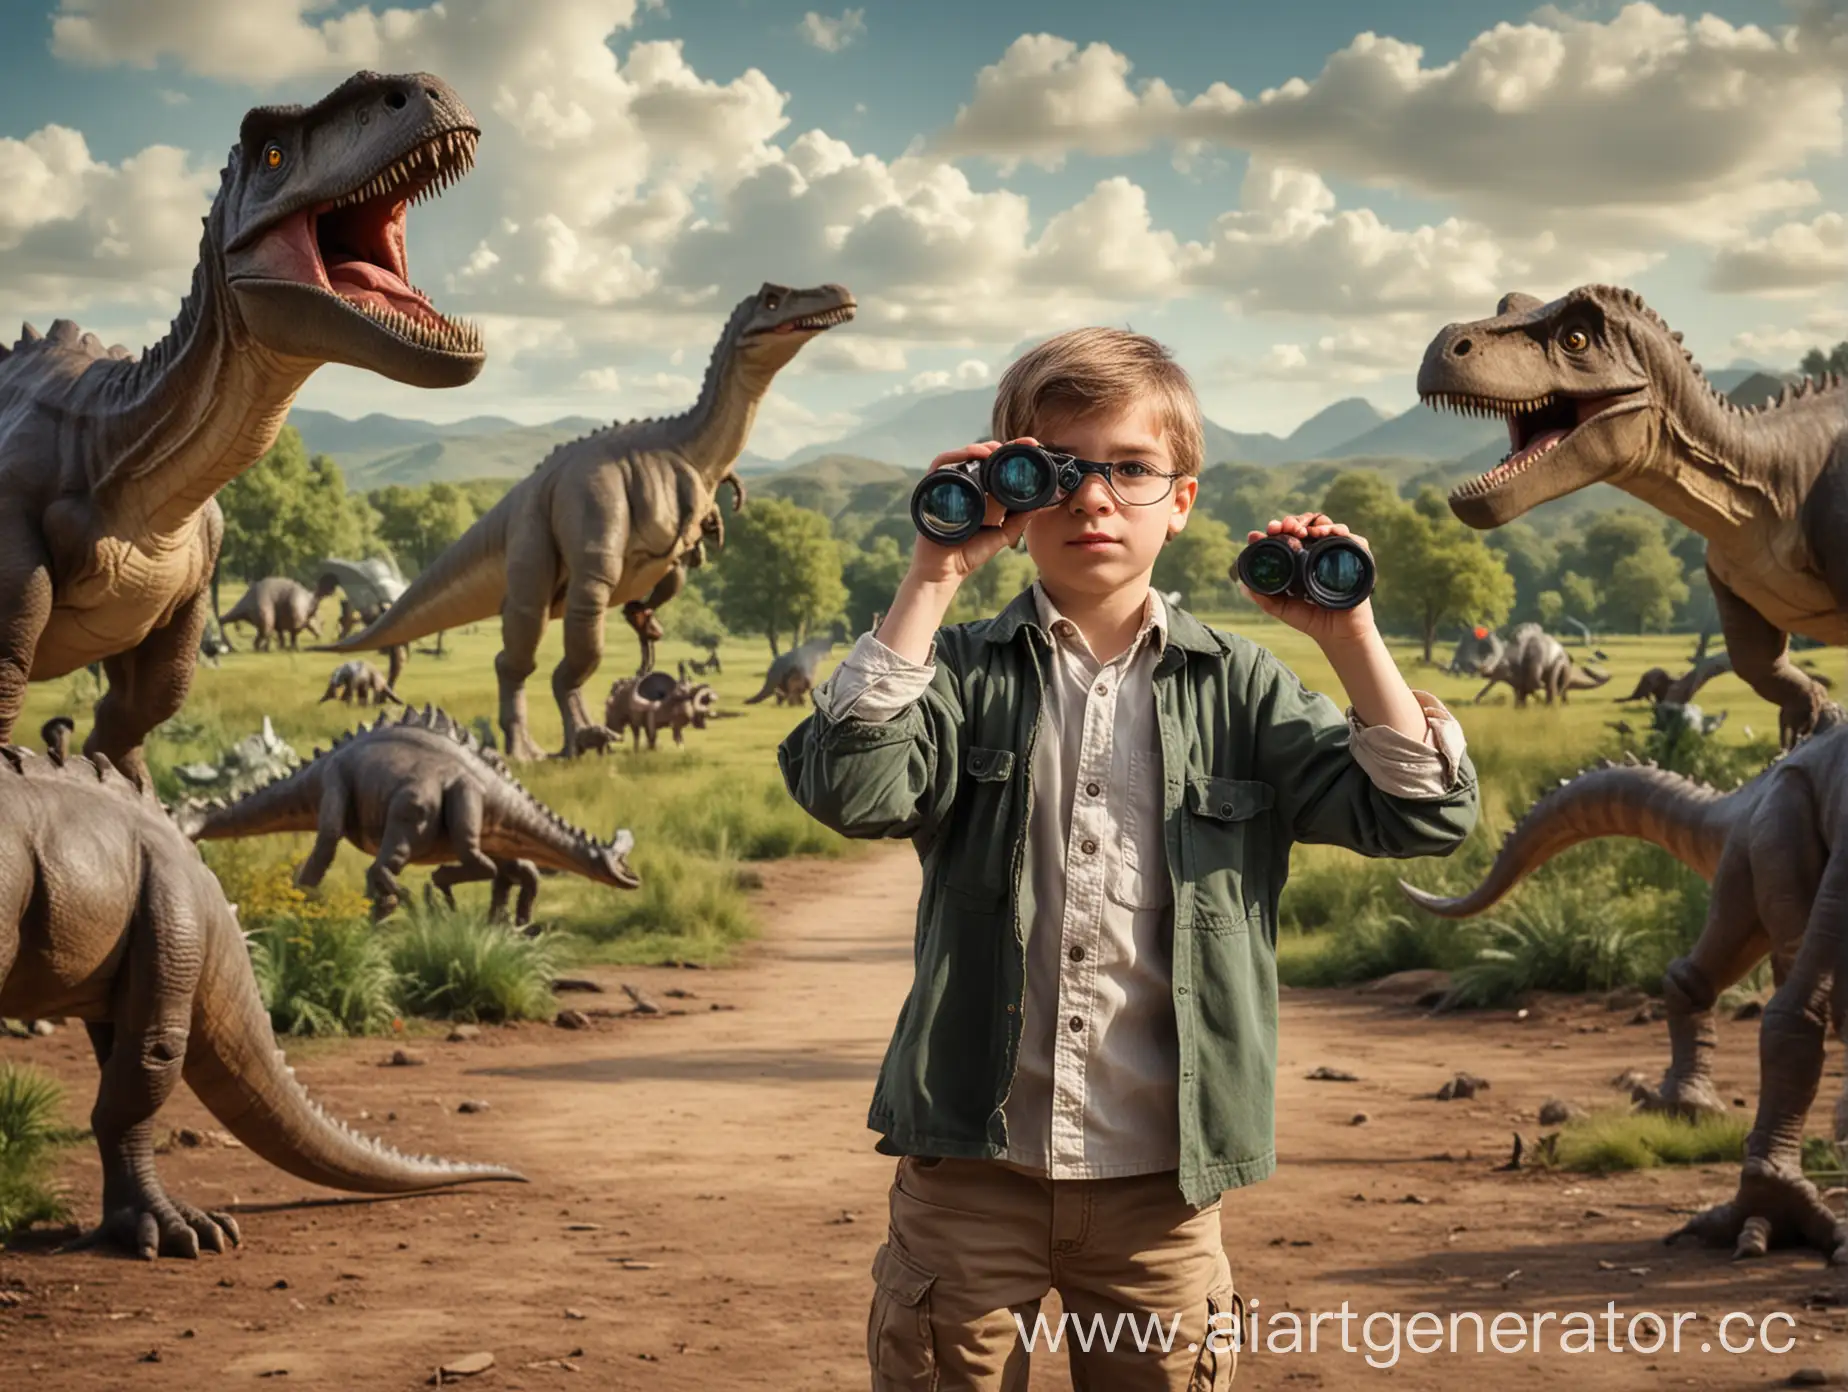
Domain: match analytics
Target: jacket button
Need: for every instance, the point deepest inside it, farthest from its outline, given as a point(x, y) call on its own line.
point(1010, 1007)
point(1092, 789)
point(1225, 809)
point(1077, 1022)
point(1089, 848)
point(1077, 953)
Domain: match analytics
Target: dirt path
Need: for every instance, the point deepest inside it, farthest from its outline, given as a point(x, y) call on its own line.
point(706, 1201)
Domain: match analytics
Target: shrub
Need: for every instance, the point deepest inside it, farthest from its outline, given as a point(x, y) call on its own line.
point(324, 976)
point(30, 1106)
point(687, 905)
point(461, 965)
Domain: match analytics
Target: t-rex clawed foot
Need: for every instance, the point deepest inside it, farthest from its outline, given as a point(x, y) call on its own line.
point(1807, 713)
point(150, 1224)
point(1686, 1097)
point(1775, 1207)
point(520, 745)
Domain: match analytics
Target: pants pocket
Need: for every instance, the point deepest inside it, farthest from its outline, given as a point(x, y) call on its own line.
point(1218, 1360)
point(899, 1344)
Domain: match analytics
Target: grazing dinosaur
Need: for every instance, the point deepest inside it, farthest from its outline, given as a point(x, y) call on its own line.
point(604, 519)
point(357, 680)
point(792, 674)
point(1657, 685)
point(638, 704)
point(368, 588)
point(419, 790)
point(1596, 388)
point(278, 607)
point(1768, 848)
point(113, 919)
point(1534, 662)
point(109, 463)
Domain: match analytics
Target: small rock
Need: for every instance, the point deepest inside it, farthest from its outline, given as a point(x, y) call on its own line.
point(1624, 998)
point(151, 1356)
point(9, 1299)
point(583, 1227)
point(1739, 1102)
point(461, 1034)
point(721, 1005)
point(403, 1058)
point(1418, 982)
point(1749, 1010)
point(1595, 1213)
point(1631, 1079)
point(1358, 1119)
point(1332, 1075)
point(467, 1365)
point(576, 983)
point(1807, 1377)
point(43, 1028)
point(1648, 1012)
point(631, 1264)
point(282, 1283)
point(472, 1106)
point(680, 993)
point(1414, 1198)
point(643, 1006)
point(572, 1019)
point(1556, 1110)
point(1464, 1085)
point(572, 1314)
point(846, 1217)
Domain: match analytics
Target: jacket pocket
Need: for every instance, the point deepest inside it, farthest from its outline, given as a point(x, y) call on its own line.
point(1141, 878)
point(979, 854)
point(899, 1343)
point(1222, 827)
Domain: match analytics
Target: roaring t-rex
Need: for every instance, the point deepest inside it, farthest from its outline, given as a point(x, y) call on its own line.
point(419, 790)
point(108, 915)
point(1775, 850)
point(604, 519)
point(109, 463)
point(277, 606)
point(1535, 663)
point(1596, 388)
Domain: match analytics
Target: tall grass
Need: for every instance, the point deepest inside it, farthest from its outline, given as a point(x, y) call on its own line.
point(1607, 1142)
point(324, 976)
point(457, 965)
point(31, 1105)
point(676, 912)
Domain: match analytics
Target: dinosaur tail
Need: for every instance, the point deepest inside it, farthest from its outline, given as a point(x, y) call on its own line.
point(291, 803)
point(239, 614)
point(762, 695)
point(234, 1066)
point(464, 585)
point(1688, 819)
point(1585, 678)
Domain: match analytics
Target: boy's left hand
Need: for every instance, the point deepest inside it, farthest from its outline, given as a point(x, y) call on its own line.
point(1324, 625)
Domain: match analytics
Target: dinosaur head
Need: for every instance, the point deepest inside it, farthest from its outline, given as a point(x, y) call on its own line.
point(312, 213)
point(700, 699)
point(613, 861)
point(1572, 380)
point(777, 321)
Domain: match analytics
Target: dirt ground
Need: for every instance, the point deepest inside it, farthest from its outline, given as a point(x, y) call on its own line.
point(705, 1200)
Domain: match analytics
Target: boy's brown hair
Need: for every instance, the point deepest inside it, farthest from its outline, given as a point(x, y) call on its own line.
point(1097, 369)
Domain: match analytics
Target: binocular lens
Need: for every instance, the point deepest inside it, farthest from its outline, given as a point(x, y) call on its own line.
point(1268, 568)
point(950, 507)
point(1339, 571)
point(1332, 572)
point(1020, 478)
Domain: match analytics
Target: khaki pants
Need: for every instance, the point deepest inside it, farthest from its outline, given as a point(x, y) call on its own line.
point(975, 1244)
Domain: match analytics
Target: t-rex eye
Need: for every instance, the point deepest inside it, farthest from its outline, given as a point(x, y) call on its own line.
point(272, 155)
point(1576, 340)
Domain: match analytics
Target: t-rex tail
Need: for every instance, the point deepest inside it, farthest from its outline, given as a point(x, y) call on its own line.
point(464, 585)
point(1686, 818)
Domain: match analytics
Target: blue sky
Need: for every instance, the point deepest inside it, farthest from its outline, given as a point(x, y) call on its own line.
point(981, 175)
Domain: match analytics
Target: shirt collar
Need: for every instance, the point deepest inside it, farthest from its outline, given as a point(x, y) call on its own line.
point(1154, 617)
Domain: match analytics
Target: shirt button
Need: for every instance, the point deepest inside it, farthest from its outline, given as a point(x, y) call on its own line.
point(1089, 848)
point(1077, 1022)
point(1102, 687)
point(1092, 789)
point(1077, 954)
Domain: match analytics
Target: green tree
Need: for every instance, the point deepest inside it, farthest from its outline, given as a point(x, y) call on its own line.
point(419, 523)
point(1198, 562)
point(1549, 605)
point(988, 590)
point(1610, 537)
point(1646, 586)
point(688, 618)
point(1444, 573)
point(779, 573)
point(1531, 559)
point(1580, 595)
point(1817, 363)
point(872, 577)
point(288, 512)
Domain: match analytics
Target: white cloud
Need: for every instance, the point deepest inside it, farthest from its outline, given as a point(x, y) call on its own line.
point(1793, 259)
point(837, 353)
point(832, 35)
point(1776, 344)
point(1646, 124)
point(784, 425)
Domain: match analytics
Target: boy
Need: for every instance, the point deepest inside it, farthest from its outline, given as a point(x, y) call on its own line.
point(1102, 793)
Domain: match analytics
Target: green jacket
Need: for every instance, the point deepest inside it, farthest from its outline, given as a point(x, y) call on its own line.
point(1252, 761)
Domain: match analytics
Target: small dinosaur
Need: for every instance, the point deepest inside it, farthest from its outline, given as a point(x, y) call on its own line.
point(356, 680)
point(792, 674)
point(1535, 663)
point(367, 588)
point(1595, 387)
point(1768, 848)
point(119, 923)
point(278, 607)
point(419, 790)
point(604, 519)
point(638, 704)
point(110, 463)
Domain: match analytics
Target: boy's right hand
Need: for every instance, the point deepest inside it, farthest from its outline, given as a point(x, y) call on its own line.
point(936, 564)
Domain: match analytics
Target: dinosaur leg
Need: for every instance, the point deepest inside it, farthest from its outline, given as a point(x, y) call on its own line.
point(328, 835)
point(1757, 649)
point(147, 685)
point(399, 656)
point(1824, 514)
point(407, 821)
point(462, 806)
point(522, 875)
point(142, 1052)
point(586, 602)
point(24, 611)
point(1775, 1204)
point(532, 576)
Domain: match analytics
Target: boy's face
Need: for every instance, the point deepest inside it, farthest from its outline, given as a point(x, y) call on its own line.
point(1089, 543)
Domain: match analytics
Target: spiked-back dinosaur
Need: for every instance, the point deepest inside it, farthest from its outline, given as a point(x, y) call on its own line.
point(604, 519)
point(1535, 663)
point(792, 674)
point(112, 918)
point(1775, 851)
point(1596, 388)
point(358, 680)
point(278, 607)
point(419, 790)
point(109, 532)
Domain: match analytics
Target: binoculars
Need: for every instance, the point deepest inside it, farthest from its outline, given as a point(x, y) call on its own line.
point(950, 505)
point(1333, 572)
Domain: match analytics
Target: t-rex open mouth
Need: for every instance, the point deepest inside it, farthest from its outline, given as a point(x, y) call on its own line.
point(352, 246)
point(810, 323)
point(1536, 426)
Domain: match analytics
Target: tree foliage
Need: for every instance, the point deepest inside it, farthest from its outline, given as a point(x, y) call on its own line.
point(780, 572)
point(1817, 363)
point(288, 512)
point(1198, 562)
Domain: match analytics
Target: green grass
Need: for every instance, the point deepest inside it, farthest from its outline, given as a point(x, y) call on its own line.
point(1607, 1142)
point(324, 976)
point(31, 1130)
point(462, 966)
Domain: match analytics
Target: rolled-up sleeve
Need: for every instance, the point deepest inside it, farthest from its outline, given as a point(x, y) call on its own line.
point(1401, 766)
point(873, 683)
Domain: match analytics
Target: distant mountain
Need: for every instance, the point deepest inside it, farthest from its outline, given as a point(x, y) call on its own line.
point(1333, 426)
point(912, 431)
point(509, 453)
point(1424, 432)
point(834, 482)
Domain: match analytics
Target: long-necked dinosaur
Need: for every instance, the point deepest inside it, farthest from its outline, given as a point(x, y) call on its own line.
point(1595, 387)
point(1535, 663)
point(109, 463)
point(604, 519)
point(792, 674)
point(279, 607)
point(419, 790)
point(1770, 850)
point(112, 918)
